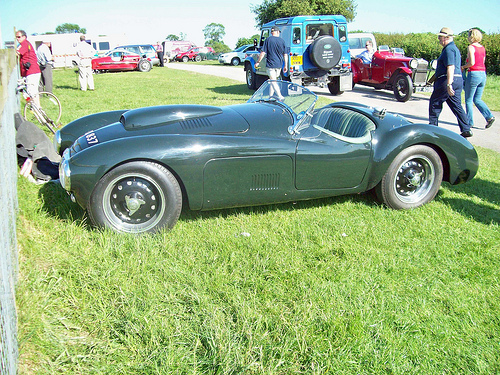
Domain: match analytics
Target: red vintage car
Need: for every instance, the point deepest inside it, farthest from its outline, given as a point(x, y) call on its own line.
point(121, 60)
point(194, 54)
point(390, 69)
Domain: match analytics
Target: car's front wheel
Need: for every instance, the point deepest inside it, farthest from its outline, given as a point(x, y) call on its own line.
point(185, 59)
point(413, 178)
point(197, 58)
point(136, 197)
point(251, 79)
point(144, 65)
point(403, 87)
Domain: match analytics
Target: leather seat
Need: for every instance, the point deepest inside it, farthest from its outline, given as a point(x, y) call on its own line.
point(344, 122)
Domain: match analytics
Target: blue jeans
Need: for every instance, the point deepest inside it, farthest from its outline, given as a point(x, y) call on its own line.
point(440, 95)
point(474, 87)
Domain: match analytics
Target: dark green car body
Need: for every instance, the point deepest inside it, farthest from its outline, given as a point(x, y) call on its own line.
point(252, 153)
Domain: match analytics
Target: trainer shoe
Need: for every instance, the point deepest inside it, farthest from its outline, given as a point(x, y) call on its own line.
point(466, 134)
point(490, 122)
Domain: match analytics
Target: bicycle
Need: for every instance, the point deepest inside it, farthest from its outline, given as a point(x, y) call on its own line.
point(47, 113)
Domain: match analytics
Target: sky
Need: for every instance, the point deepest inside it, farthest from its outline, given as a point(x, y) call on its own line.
point(151, 21)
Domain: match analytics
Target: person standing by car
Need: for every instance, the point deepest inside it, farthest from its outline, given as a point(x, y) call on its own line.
point(476, 78)
point(45, 61)
point(85, 52)
point(448, 84)
point(159, 52)
point(28, 65)
point(275, 50)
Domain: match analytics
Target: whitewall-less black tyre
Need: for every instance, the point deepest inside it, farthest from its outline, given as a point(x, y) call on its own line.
point(136, 197)
point(413, 178)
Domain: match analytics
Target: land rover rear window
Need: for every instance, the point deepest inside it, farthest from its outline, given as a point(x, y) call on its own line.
point(315, 30)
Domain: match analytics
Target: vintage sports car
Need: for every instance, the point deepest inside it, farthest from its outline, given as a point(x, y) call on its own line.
point(118, 60)
point(392, 70)
point(133, 170)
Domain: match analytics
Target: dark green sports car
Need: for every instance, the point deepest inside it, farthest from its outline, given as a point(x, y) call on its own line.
point(134, 169)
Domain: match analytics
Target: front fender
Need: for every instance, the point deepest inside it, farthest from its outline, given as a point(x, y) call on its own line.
point(67, 135)
point(460, 161)
point(250, 64)
point(403, 70)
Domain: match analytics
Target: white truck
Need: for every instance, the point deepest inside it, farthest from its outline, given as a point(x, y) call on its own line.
point(63, 46)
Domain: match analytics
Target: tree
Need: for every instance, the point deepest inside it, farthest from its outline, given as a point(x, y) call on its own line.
point(214, 32)
point(219, 47)
point(245, 41)
point(172, 38)
point(272, 9)
point(70, 28)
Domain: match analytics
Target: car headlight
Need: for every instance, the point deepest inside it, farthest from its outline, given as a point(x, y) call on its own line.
point(64, 171)
point(414, 63)
point(57, 141)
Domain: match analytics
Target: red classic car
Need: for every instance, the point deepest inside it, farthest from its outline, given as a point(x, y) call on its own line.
point(390, 69)
point(194, 54)
point(121, 60)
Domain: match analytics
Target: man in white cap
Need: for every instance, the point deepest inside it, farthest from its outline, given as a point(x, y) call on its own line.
point(448, 85)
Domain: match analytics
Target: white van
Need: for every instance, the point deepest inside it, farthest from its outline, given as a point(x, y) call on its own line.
point(357, 42)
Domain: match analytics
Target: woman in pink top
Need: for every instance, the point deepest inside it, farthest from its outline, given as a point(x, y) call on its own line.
point(476, 78)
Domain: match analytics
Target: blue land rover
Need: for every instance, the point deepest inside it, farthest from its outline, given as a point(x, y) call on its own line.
point(318, 52)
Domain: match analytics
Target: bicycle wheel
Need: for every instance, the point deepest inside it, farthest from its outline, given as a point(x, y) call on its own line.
point(51, 106)
point(49, 112)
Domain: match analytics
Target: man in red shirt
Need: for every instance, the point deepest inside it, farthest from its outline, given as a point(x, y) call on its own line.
point(28, 64)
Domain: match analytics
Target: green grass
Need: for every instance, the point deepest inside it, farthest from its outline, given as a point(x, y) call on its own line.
point(340, 285)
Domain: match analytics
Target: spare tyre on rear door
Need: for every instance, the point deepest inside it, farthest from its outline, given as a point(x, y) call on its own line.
point(325, 52)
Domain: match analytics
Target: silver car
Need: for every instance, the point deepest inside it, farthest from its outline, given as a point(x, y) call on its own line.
point(237, 56)
point(145, 50)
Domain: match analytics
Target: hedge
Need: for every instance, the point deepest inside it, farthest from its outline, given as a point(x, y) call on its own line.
point(426, 46)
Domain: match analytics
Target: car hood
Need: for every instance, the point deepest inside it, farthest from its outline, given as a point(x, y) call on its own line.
point(164, 120)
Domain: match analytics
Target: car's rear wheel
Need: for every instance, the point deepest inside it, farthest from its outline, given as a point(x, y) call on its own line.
point(235, 61)
point(144, 65)
point(334, 86)
point(136, 197)
point(197, 58)
point(413, 178)
point(403, 87)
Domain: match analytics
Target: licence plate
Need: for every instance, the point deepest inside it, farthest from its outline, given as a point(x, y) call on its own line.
point(296, 60)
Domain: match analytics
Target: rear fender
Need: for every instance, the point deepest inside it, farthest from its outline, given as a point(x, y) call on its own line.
point(456, 153)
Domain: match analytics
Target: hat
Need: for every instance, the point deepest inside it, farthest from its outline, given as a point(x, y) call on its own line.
point(275, 28)
point(445, 31)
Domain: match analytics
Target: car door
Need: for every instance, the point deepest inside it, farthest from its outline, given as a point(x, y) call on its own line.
point(324, 161)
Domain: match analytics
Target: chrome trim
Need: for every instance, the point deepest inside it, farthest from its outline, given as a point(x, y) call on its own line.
point(57, 141)
point(65, 172)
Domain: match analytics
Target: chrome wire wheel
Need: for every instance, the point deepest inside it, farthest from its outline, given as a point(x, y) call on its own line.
point(136, 197)
point(133, 202)
point(414, 179)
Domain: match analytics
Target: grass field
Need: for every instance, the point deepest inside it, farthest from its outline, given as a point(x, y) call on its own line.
point(340, 285)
